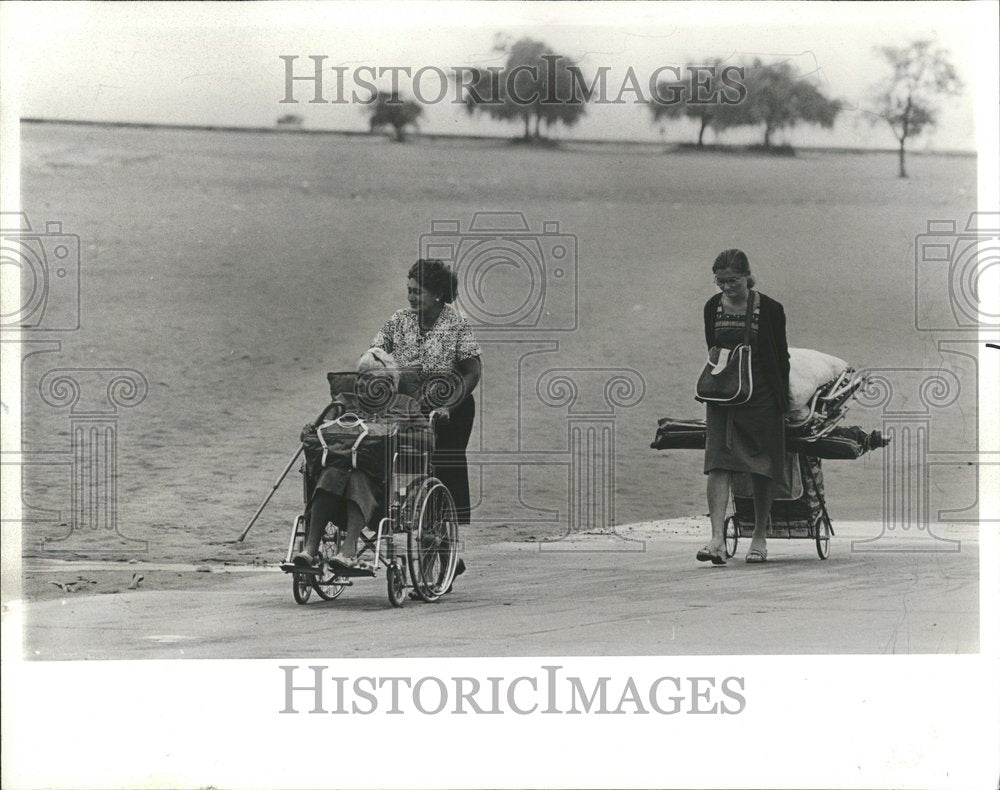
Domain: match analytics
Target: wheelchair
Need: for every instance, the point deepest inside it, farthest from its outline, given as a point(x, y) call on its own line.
point(415, 541)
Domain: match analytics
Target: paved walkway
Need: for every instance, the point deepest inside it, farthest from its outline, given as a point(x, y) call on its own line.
point(592, 595)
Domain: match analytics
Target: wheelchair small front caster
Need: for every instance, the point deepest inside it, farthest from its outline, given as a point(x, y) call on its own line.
point(301, 587)
point(395, 583)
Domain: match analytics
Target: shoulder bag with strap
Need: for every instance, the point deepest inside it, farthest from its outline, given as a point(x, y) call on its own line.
point(727, 379)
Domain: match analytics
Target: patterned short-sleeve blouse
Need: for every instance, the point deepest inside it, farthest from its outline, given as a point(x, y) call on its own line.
point(447, 343)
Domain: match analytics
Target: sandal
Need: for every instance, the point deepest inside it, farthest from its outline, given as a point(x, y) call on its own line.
point(339, 561)
point(706, 554)
point(756, 556)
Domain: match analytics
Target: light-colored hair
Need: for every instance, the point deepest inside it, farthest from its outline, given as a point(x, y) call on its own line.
point(377, 360)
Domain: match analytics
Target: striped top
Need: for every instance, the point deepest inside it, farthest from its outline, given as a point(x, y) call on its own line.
point(731, 322)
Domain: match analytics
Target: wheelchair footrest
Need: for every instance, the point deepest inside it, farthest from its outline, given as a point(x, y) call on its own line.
point(344, 572)
point(291, 567)
point(338, 570)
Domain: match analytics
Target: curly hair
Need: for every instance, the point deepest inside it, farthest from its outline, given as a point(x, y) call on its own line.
point(378, 360)
point(436, 277)
point(737, 261)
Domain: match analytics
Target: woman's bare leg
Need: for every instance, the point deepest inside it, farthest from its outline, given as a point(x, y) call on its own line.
point(321, 513)
point(718, 500)
point(355, 523)
point(763, 496)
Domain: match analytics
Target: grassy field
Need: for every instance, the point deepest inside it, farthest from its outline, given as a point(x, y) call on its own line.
point(234, 270)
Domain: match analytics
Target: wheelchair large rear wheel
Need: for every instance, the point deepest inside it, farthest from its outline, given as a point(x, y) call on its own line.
point(433, 539)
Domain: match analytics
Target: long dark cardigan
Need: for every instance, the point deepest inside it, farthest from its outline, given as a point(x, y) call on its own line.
point(772, 345)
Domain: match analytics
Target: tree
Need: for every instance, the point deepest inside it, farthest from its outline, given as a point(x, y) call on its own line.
point(533, 86)
point(389, 109)
point(696, 96)
point(777, 99)
point(921, 73)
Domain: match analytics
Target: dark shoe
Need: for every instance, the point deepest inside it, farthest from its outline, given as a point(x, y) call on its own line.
point(706, 554)
point(305, 560)
point(459, 570)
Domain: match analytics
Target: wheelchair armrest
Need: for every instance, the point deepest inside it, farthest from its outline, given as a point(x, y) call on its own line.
point(332, 412)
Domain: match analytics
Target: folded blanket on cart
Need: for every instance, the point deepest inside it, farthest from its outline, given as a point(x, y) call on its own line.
point(674, 434)
point(820, 412)
point(838, 444)
point(808, 371)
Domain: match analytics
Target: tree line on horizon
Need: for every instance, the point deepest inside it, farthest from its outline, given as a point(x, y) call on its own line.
point(776, 98)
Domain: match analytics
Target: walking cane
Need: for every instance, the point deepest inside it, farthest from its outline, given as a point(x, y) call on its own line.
point(279, 481)
point(270, 494)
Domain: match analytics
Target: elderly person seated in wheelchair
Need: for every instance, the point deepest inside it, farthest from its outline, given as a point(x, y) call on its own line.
point(350, 496)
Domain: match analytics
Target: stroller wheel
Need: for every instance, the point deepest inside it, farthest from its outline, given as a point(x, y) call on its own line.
point(732, 536)
point(823, 532)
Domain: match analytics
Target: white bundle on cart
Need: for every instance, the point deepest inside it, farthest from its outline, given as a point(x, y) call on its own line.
point(820, 386)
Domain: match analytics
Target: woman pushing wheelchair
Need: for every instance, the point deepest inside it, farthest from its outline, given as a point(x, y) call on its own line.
point(434, 341)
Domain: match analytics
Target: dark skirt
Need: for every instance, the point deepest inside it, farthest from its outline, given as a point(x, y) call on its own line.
point(353, 485)
point(451, 466)
point(748, 438)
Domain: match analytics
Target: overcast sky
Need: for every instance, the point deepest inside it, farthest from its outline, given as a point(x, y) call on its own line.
point(210, 63)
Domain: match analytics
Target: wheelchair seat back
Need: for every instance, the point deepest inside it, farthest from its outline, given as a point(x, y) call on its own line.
point(342, 382)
